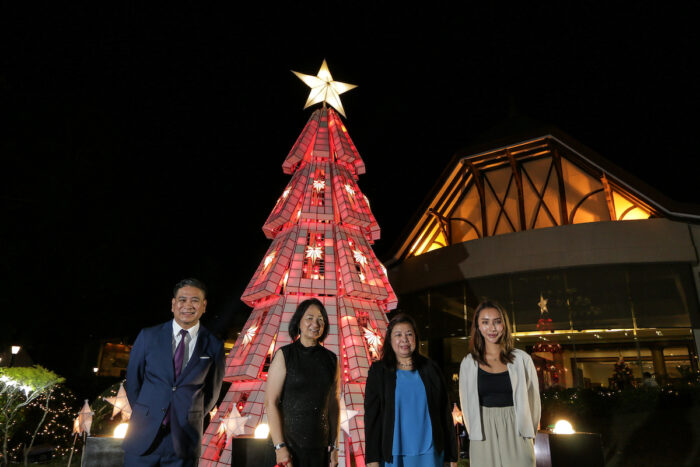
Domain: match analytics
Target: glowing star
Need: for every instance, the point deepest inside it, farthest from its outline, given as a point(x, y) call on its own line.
point(345, 416)
point(362, 277)
point(314, 252)
point(542, 304)
point(383, 268)
point(324, 89)
point(268, 260)
point(249, 334)
point(319, 185)
point(233, 424)
point(359, 257)
point(286, 193)
point(120, 403)
point(350, 190)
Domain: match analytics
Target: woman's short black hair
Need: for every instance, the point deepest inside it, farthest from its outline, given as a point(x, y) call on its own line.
point(299, 313)
point(388, 354)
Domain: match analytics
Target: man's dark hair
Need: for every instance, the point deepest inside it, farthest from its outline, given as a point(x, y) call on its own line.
point(299, 313)
point(192, 282)
point(388, 354)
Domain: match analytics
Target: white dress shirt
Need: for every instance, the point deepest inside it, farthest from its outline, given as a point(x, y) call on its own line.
point(193, 332)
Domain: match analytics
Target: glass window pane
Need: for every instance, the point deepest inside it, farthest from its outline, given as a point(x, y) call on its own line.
point(598, 298)
point(663, 295)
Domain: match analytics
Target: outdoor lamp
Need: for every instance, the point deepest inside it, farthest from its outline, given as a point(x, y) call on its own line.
point(563, 427)
point(120, 430)
point(262, 431)
point(15, 349)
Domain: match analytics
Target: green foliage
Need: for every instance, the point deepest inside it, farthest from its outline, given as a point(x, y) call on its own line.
point(35, 376)
point(20, 387)
point(581, 406)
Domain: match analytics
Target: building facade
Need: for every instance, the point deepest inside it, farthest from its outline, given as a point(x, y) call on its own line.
point(593, 267)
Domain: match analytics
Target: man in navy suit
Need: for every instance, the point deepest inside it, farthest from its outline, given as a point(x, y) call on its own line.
point(172, 381)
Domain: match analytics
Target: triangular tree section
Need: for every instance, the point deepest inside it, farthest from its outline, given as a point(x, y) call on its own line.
point(322, 230)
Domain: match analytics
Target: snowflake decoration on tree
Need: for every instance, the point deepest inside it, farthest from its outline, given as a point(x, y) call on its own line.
point(359, 257)
point(349, 189)
point(314, 252)
point(319, 185)
point(249, 334)
point(286, 193)
point(374, 340)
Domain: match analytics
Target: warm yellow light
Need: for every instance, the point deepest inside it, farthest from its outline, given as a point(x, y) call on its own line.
point(15, 349)
point(324, 89)
point(120, 430)
point(262, 431)
point(562, 427)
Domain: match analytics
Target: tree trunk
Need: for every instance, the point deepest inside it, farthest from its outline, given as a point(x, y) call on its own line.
point(36, 430)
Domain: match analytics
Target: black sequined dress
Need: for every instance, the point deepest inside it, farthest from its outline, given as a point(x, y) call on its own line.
point(308, 386)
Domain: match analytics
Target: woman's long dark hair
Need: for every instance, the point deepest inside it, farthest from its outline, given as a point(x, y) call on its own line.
point(477, 345)
point(388, 354)
point(299, 313)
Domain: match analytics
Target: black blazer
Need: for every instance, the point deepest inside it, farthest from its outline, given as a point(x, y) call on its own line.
point(379, 411)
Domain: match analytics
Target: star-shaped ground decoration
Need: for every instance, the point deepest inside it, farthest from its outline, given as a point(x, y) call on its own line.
point(233, 424)
point(324, 89)
point(345, 416)
point(457, 416)
point(120, 403)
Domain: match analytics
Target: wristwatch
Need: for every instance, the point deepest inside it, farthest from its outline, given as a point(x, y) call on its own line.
point(280, 446)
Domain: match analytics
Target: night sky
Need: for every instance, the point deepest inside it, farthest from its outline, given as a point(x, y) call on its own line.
point(143, 146)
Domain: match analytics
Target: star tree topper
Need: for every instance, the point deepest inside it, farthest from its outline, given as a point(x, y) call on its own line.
point(324, 89)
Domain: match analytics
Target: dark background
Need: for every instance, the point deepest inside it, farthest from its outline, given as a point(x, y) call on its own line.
point(141, 145)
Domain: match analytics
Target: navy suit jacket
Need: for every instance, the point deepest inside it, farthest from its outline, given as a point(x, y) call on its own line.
point(151, 387)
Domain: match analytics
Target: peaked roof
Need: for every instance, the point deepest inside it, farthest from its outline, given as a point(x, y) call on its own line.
point(527, 140)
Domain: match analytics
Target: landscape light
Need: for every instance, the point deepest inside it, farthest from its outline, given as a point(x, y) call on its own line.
point(262, 431)
point(563, 427)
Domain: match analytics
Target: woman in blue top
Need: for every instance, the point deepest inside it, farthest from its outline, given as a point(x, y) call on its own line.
point(408, 422)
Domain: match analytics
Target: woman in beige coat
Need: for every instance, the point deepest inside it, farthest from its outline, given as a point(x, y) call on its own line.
point(499, 392)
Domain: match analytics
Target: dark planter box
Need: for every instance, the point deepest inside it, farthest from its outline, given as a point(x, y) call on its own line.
point(578, 449)
point(251, 452)
point(102, 452)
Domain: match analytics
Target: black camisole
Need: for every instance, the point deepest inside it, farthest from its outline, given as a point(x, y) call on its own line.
point(495, 389)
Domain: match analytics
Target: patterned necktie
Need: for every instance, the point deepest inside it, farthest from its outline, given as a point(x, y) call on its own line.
point(179, 357)
point(177, 363)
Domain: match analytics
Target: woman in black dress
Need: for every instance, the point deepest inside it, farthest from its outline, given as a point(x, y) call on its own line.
point(301, 397)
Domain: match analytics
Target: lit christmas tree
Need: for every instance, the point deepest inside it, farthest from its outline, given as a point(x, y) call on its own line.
point(322, 230)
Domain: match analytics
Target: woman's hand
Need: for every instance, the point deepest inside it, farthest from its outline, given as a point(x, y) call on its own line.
point(282, 455)
point(334, 458)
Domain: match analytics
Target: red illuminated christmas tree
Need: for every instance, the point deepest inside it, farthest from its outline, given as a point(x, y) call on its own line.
point(322, 230)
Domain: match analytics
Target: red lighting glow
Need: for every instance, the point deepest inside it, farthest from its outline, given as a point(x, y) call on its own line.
point(321, 231)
